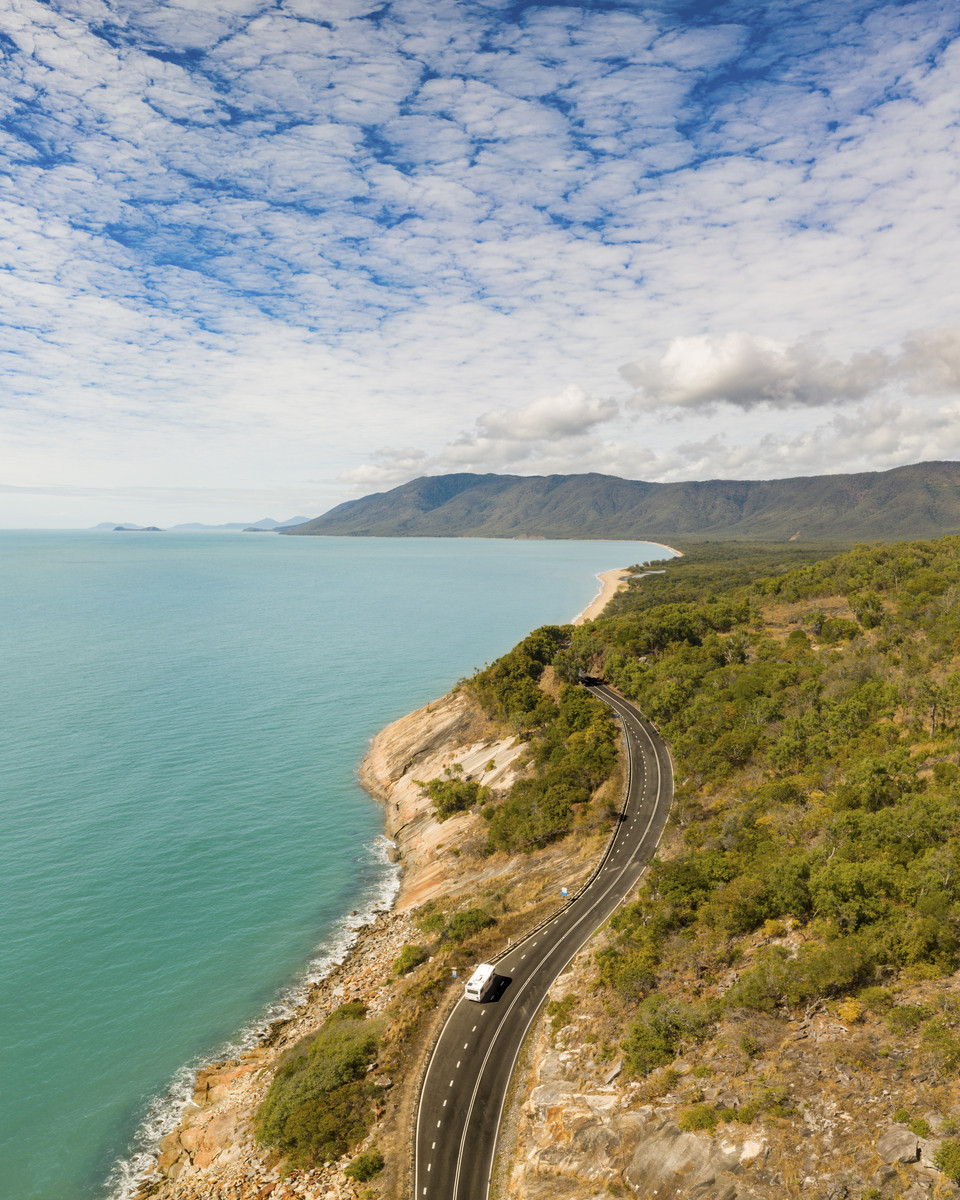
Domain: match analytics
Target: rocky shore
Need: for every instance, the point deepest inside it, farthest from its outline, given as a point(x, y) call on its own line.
point(212, 1153)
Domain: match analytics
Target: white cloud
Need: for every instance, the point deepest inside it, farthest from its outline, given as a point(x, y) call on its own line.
point(233, 225)
point(750, 371)
point(548, 417)
point(747, 371)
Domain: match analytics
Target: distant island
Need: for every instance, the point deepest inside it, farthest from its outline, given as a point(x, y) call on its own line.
point(264, 525)
point(917, 501)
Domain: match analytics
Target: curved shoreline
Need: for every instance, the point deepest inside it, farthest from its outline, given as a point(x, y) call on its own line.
point(208, 1139)
point(610, 583)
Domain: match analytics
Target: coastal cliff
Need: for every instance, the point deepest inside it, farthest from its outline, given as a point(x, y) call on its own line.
point(212, 1152)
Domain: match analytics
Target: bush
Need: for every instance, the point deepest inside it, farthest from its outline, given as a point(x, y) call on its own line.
point(877, 999)
point(559, 1012)
point(947, 1160)
point(903, 1018)
point(701, 1116)
point(409, 957)
point(850, 1011)
point(660, 1027)
point(451, 796)
point(466, 924)
point(365, 1166)
point(920, 1127)
point(318, 1105)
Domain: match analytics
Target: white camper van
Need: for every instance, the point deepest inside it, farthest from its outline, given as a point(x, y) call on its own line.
point(479, 982)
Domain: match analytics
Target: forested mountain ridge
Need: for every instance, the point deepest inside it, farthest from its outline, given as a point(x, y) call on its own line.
point(922, 500)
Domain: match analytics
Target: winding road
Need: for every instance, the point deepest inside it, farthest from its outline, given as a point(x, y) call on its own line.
point(465, 1085)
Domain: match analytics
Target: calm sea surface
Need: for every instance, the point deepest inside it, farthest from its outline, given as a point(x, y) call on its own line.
point(180, 724)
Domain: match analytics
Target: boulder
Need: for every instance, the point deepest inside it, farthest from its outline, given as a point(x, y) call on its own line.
point(928, 1148)
point(898, 1145)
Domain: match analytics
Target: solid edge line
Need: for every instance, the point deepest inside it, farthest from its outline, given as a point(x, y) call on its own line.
point(572, 956)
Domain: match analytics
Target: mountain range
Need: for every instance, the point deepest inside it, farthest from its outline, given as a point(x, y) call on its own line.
point(917, 501)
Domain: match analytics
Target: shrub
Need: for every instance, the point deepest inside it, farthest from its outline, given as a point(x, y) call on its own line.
point(943, 1045)
point(876, 999)
point(902, 1116)
point(365, 1166)
point(947, 1160)
point(352, 1010)
point(559, 1012)
point(408, 958)
point(700, 1116)
point(452, 796)
point(660, 1027)
point(463, 925)
point(318, 1104)
point(850, 1011)
point(920, 1127)
point(902, 1018)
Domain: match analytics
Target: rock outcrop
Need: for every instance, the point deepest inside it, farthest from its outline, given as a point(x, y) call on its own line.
point(417, 748)
point(852, 1115)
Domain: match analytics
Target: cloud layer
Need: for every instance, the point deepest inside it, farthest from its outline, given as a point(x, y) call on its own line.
point(246, 241)
point(748, 372)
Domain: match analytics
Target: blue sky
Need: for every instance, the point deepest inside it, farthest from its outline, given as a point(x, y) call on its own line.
point(262, 257)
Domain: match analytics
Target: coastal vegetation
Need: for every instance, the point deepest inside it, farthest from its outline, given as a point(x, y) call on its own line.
point(814, 719)
point(811, 701)
point(320, 1103)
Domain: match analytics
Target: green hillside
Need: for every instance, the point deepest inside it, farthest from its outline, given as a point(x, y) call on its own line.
point(792, 961)
point(922, 500)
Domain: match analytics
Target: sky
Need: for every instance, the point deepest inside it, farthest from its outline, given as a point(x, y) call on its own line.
point(262, 257)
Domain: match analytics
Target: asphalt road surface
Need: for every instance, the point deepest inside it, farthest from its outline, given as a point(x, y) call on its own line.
point(465, 1086)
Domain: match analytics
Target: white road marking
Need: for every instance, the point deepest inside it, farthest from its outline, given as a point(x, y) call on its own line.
point(466, 1044)
point(458, 1064)
point(450, 1084)
point(444, 1105)
point(474, 1029)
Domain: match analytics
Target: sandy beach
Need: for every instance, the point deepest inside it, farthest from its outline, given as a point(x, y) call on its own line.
point(610, 583)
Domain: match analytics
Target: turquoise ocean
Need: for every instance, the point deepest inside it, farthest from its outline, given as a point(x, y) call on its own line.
point(183, 836)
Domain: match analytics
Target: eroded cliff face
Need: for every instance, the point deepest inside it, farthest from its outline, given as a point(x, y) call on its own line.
point(415, 749)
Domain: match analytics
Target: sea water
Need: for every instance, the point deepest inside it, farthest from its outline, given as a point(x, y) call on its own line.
point(184, 838)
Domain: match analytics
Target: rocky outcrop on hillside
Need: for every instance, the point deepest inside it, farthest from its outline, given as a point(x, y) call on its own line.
point(828, 1105)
